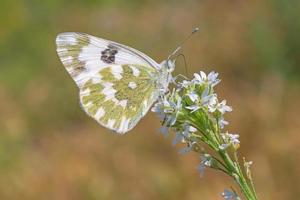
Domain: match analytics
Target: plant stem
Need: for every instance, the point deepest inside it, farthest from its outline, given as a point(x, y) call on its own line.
point(236, 172)
point(233, 167)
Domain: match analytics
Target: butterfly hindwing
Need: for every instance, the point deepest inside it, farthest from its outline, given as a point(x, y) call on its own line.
point(117, 83)
point(121, 97)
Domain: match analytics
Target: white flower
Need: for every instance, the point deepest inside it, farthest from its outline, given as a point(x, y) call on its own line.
point(229, 195)
point(193, 108)
point(223, 146)
point(185, 83)
point(211, 79)
point(193, 96)
point(222, 122)
point(205, 100)
point(221, 107)
point(192, 129)
point(187, 149)
point(176, 106)
point(208, 99)
point(181, 136)
point(168, 108)
point(247, 165)
point(200, 78)
point(188, 129)
point(231, 139)
point(178, 138)
point(206, 161)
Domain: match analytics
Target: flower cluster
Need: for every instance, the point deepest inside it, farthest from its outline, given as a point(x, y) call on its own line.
point(193, 112)
point(191, 106)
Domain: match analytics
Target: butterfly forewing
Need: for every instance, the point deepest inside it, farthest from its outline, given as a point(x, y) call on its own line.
point(117, 84)
point(82, 54)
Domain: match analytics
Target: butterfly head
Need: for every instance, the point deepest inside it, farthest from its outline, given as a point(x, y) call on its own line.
point(169, 65)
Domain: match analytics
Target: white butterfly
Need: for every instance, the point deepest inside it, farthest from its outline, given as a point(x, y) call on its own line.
point(118, 84)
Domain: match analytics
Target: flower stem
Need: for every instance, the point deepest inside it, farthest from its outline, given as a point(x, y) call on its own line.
point(236, 172)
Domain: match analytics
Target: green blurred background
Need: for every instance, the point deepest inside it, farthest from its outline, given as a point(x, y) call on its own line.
point(50, 149)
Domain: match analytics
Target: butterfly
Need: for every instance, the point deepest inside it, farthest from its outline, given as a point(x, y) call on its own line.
point(117, 84)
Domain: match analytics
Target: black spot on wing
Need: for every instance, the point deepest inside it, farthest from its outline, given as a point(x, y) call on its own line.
point(108, 54)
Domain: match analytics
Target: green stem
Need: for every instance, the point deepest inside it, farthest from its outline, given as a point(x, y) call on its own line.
point(213, 139)
point(207, 138)
point(252, 186)
point(238, 175)
point(223, 165)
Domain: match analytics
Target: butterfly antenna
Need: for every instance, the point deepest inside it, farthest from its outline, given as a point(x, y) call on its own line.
point(185, 65)
point(195, 30)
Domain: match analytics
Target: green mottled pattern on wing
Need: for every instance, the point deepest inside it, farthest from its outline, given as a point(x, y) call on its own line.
point(69, 52)
point(139, 97)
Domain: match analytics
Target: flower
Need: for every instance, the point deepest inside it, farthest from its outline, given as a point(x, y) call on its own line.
point(229, 195)
point(193, 96)
point(231, 139)
point(205, 99)
point(185, 84)
point(211, 79)
point(247, 165)
point(193, 108)
point(168, 108)
point(162, 107)
point(176, 107)
point(182, 136)
point(188, 148)
point(206, 161)
point(224, 146)
point(178, 138)
point(192, 129)
point(199, 78)
point(221, 107)
point(222, 122)
point(185, 150)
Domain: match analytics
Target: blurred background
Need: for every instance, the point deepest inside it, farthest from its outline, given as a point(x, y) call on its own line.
point(50, 149)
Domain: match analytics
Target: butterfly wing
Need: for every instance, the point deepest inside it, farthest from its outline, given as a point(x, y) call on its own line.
point(83, 54)
point(117, 84)
point(120, 99)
